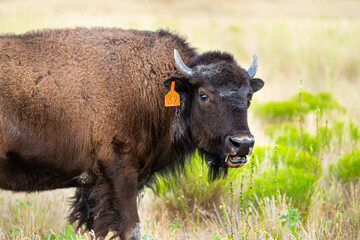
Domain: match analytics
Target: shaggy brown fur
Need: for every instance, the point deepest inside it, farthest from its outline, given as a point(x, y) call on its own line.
point(85, 108)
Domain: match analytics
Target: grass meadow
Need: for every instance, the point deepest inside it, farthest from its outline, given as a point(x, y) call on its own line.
point(302, 181)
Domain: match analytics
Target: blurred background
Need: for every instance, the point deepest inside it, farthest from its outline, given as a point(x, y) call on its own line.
point(316, 41)
point(307, 113)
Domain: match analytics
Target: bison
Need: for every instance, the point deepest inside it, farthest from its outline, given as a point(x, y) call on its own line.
point(85, 108)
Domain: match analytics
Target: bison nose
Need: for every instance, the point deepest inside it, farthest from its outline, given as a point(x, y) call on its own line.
point(241, 145)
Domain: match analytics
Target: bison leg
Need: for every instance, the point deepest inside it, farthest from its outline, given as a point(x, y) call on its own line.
point(109, 206)
point(124, 200)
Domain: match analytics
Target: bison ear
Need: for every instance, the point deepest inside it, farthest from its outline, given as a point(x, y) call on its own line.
point(256, 84)
point(181, 84)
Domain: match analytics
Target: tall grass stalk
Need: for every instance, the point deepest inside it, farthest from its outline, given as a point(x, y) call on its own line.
point(277, 189)
point(184, 207)
point(301, 122)
point(231, 210)
point(227, 219)
point(262, 209)
point(325, 137)
point(315, 173)
point(318, 147)
point(250, 194)
point(241, 195)
point(276, 161)
point(241, 198)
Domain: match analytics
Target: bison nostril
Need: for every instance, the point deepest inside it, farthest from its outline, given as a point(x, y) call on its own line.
point(234, 141)
point(239, 141)
point(241, 145)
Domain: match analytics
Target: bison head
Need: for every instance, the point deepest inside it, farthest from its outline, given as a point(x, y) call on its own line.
point(220, 93)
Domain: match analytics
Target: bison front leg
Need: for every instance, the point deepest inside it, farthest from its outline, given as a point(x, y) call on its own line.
point(110, 206)
point(123, 198)
point(125, 202)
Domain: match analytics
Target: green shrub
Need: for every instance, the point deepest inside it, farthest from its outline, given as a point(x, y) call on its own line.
point(354, 132)
point(289, 134)
point(305, 161)
point(347, 168)
point(293, 182)
point(293, 157)
point(192, 190)
point(338, 128)
point(289, 109)
point(275, 130)
point(288, 156)
point(272, 110)
point(325, 136)
point(322, 100)
point(261, 154)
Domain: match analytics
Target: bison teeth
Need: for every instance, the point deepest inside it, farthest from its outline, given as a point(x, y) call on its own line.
point(250, 151)
point(236, 159)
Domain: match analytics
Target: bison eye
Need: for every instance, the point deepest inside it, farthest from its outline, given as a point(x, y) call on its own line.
point(204, 97)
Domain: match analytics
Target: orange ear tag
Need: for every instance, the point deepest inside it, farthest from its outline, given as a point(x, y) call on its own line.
point(172, 99)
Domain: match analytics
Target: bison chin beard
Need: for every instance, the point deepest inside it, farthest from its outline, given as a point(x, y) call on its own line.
point(217, 167)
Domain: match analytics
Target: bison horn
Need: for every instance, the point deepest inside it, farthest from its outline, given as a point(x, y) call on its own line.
point(181, 67)
point(253, 68)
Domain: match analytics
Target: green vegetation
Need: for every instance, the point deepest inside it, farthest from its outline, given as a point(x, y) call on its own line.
point(68, 235)
point(294, 183)
point(290, 135)
point(288, 156)
point(289, 109)
point(292, 170)
point(354, 132)
point(290, 220)
point(338, 128)
point(347, 168)
point(191, 192)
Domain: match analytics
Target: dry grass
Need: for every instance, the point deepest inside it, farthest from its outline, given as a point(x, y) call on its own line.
point(316, 41)
point(34, 215)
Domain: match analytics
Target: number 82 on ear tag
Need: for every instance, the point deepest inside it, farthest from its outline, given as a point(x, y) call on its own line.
point(172, 99)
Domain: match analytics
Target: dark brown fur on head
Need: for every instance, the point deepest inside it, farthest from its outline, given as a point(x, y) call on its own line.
point(228, 89)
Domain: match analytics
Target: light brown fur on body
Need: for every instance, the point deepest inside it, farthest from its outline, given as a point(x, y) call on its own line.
point(85, 82)
point(74, 96)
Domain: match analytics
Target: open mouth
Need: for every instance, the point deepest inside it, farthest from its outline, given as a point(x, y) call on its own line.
point(236, 160)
